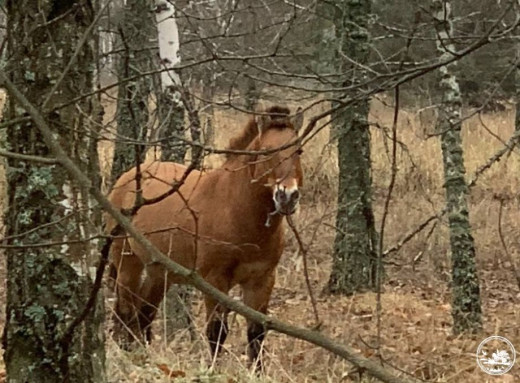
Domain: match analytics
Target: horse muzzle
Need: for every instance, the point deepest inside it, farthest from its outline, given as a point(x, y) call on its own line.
point(286, 200)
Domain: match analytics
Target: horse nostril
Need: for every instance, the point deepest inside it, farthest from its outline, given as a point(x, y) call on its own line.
point(295, 196)
point(280, 195)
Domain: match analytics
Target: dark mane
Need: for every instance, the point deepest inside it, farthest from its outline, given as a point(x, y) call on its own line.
point(278, 119)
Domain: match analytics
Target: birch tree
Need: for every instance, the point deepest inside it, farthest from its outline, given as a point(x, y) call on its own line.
point(51, 333)
point(143, 25)
point(354, 257)
point(170, 110)
point(466, 306)
point(169, 99)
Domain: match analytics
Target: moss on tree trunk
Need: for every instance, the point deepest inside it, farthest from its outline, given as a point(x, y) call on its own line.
point(466, 306)
point(354, 259)
point(44, 292)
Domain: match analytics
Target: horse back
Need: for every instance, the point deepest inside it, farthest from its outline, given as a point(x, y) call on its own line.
point(156, 180)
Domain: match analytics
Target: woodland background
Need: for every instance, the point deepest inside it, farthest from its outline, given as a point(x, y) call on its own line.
point(235, 57)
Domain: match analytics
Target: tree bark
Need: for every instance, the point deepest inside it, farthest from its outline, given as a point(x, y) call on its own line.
point(45, 293)
point(354, 258)
point(466, 306)
point(142, 26)
point(137, 34)
point(177, 303)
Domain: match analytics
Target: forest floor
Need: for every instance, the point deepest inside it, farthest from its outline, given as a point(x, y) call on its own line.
point(416, 321)
point(416, 333)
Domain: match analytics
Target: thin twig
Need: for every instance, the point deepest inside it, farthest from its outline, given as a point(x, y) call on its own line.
point(410, 235)
point(303, 251)
point(379, 266)
point(66, 338)
point(27, 157)
point(14, 121)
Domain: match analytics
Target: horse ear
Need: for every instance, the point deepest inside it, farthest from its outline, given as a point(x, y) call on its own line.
point(262, 122)
point(252, 168)
point(297, 119)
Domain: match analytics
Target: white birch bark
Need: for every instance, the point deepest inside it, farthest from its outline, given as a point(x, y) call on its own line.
point(169, 44)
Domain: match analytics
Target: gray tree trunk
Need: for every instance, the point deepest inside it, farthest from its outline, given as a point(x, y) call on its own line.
point(466, 307)
point(171, 120)
point(137, 40)
point(176, 307)
point(45, 294)
point(139, 33)
point(354, 259)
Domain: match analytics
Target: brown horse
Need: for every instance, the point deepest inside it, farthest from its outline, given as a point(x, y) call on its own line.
point(225, 223)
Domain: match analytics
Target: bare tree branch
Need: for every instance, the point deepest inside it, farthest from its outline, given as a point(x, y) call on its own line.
point(27, 157)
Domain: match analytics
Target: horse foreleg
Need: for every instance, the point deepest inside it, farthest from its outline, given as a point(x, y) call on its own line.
point(257, 293)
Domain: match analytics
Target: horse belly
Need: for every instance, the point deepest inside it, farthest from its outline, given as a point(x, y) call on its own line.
point(245, 272)
point(172, 244)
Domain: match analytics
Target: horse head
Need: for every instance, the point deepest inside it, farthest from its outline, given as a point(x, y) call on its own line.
point(279, 168)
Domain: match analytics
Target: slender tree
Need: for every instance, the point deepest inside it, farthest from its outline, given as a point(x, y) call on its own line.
point(354, 259)
point(51, 60)
point(144, 23)
point(137, 34)
point(466, 307)
point(169, 97)
point(170, 108)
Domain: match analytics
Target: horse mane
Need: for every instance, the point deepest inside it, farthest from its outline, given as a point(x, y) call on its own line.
point(278, 119)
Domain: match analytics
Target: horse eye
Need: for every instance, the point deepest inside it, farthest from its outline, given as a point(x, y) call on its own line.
point(299, 152)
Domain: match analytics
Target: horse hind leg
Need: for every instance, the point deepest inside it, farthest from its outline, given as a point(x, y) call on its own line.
point(256, 293)
point(155, 285)
point(217, 329)
point(126, 323)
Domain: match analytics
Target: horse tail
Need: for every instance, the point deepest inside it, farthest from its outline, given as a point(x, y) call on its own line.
point(112, 276)
point(105, 255)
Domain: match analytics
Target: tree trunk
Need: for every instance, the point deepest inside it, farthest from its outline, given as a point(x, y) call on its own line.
point(137, 35)
point(466, 308)
point(169, 99)
point(139, 32)
point(177, 303)
point(354, 259)
point(45, 293)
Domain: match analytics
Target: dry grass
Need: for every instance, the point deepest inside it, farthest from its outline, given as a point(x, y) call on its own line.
point(416, 316)
point(416, 311)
